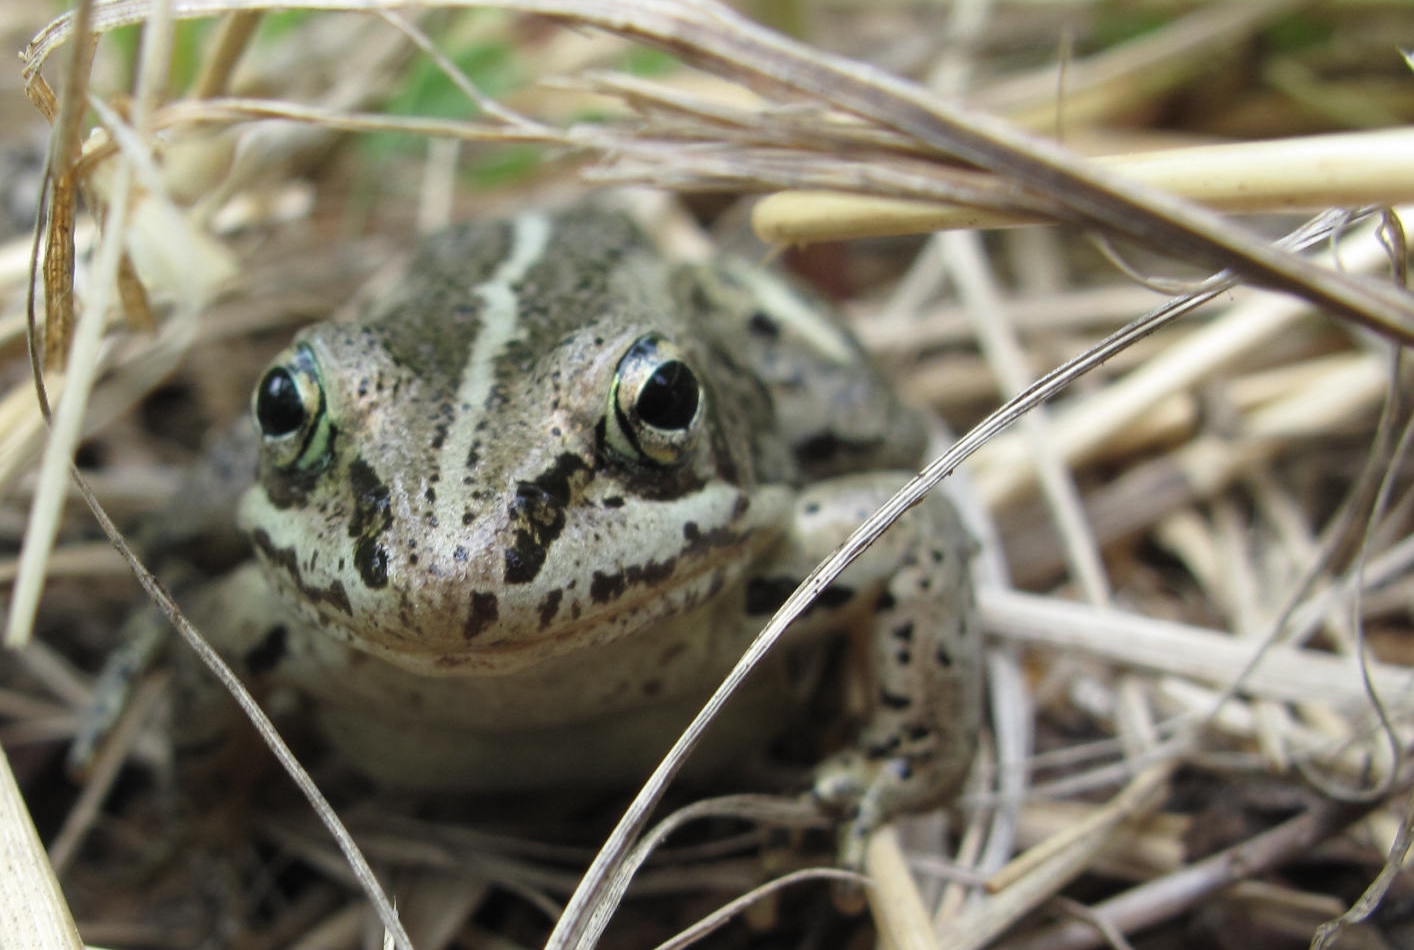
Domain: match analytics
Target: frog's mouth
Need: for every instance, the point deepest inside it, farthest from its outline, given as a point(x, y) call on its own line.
point(610, 606)
point(449, 605)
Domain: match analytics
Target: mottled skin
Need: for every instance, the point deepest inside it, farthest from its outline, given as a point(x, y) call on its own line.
point(490, 573)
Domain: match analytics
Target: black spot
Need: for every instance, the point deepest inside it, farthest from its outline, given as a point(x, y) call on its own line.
point(903, 657)
point(698, 542)
point(484, 612)
point(286, 560)
point(538, 512)
point(372, 511)
point(811, 508)
point(764, 325)
point(836, 595)
point(894, 700)
point(944, 656)
point(439, 435)
point(550, 606)
point(372, 515)
point(885, 602)
point(614, 501)
point(919, 733)
point(460, 554)
point(523, 562)
point(267, 654)
point(429, 495)
point(651, 572)
point(371, 559)
point(904, 631)
point(606, 587)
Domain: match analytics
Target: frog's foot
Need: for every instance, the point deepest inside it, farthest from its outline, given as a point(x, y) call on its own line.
point(144, 641)
point(844, 786)
point(867, 787)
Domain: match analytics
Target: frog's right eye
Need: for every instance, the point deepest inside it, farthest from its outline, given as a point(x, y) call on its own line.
point(288, 406)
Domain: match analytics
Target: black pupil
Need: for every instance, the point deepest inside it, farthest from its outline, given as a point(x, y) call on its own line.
point(278, 406)
point(668, 400)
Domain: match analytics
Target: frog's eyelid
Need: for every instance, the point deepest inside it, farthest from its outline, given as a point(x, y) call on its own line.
point(317, 443)
point(619, 431)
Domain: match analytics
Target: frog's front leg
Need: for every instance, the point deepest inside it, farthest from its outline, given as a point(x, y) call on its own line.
point(912, 599)
point(242, 619)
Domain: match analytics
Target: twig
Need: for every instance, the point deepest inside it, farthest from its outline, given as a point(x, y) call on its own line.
point(1160, 899)
point(31, 902)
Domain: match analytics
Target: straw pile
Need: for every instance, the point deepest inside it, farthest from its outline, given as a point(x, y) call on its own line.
point(1197, 589)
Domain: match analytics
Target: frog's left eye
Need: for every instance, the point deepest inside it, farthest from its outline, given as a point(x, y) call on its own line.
point(655, 403)
point(288, 406)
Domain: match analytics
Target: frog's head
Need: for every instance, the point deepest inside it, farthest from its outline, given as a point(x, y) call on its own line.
point(524, 451)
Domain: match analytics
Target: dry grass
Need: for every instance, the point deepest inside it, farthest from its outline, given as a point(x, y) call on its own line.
point(1198, 565)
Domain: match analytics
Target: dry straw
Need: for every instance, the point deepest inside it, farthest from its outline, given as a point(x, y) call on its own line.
point(855, 151)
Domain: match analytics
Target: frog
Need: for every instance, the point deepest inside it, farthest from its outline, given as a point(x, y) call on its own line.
point(513, 523)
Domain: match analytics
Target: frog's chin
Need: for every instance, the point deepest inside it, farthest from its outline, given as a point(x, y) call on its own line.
point(502, 660)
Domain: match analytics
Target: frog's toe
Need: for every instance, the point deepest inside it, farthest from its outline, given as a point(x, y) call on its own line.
point(864, 794)
point(841, 782)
